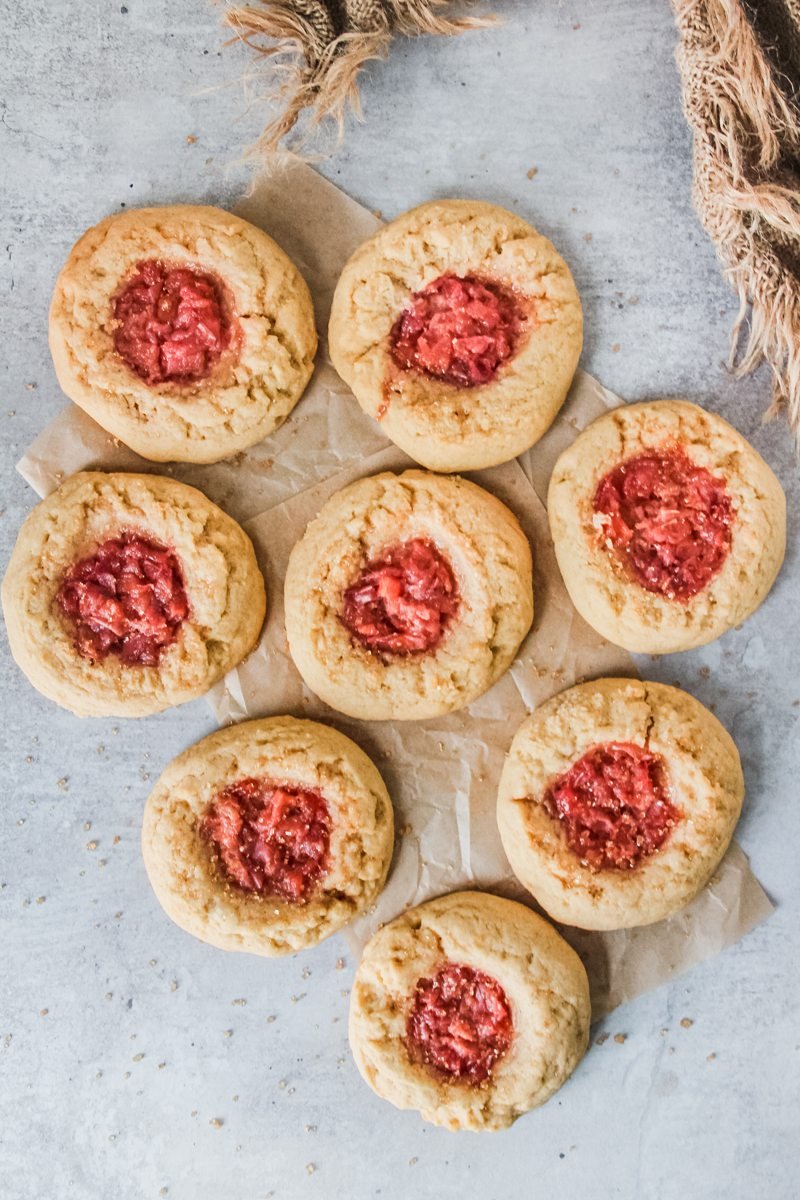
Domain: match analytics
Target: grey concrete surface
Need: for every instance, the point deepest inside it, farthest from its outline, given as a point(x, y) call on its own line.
point(136, 1062)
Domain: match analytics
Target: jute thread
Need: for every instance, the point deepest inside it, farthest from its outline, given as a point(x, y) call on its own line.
point(740, 100)
point(319, 46)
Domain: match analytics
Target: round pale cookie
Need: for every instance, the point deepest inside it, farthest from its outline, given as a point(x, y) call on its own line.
point(268, 836)
point(408, 596)
point(459, 328)
point(126, 594)
point(617, 802)
point(669, 528)
point(470, 1009)
point(184, 331)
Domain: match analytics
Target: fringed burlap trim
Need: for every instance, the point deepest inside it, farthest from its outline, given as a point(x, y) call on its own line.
point(319, 47)
point(746, 144)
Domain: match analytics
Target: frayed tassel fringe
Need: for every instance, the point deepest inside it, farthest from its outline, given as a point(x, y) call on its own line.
point(319, 47)
point(745, 132)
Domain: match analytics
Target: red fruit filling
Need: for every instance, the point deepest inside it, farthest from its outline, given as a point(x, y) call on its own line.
point(171, 323)
point(458, 329)
point(402, 602)
point(668, 521)
point(270, 838)
point(127, 599)
point(460, 1023)
point(613, 805)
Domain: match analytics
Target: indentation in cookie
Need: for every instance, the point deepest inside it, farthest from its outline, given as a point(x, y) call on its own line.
point(270, 838)
point(613, 805)
point(127, 599)
point(459, 329)
point(172, 324)
point(460, 1023)
point(666, 520)
point(402, 601)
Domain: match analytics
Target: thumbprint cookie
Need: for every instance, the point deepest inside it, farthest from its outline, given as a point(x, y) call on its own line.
point(458, 327)
point(184, 331)
point(470, 1009)
point(126, 594)
point(408, 596)
point(268, 836)
point(617, 802)
point(669, 528)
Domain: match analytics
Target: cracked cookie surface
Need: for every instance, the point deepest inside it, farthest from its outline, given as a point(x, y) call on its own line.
point(258, 369)
point(702, 779)
point(220, 579)
point(490, 560)
point(603, 591)
point(514, 953)
point(441, 425)
point(298, 755)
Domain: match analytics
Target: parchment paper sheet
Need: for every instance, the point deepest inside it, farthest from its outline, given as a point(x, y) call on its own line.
point(442, 774)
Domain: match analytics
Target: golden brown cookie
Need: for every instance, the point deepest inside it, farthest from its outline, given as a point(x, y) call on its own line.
point(408, 596)
point(459, 328)
point(126, 594)
point(617, 802)
point(668, 527)
point(470, 1009)
point(268, 836)
point(184, 331)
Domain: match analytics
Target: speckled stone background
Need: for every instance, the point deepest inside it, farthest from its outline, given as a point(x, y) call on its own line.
point(138, 1063)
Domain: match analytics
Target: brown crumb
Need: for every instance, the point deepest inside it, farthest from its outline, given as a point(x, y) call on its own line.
point(91, 845)
point(64, 784)
point(620, 1037)
point(687, 1023)
point(601, 1039)
point(533, 172)
point(615, 349)
point(191, 139)
point(340, 964)
point(216, 1122)
point(710, 1057)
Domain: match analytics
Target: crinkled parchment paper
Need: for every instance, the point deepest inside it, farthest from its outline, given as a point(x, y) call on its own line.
point(442, 774)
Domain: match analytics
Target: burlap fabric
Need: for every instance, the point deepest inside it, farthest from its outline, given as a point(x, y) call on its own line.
point(740, 63)
point(320, 46)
